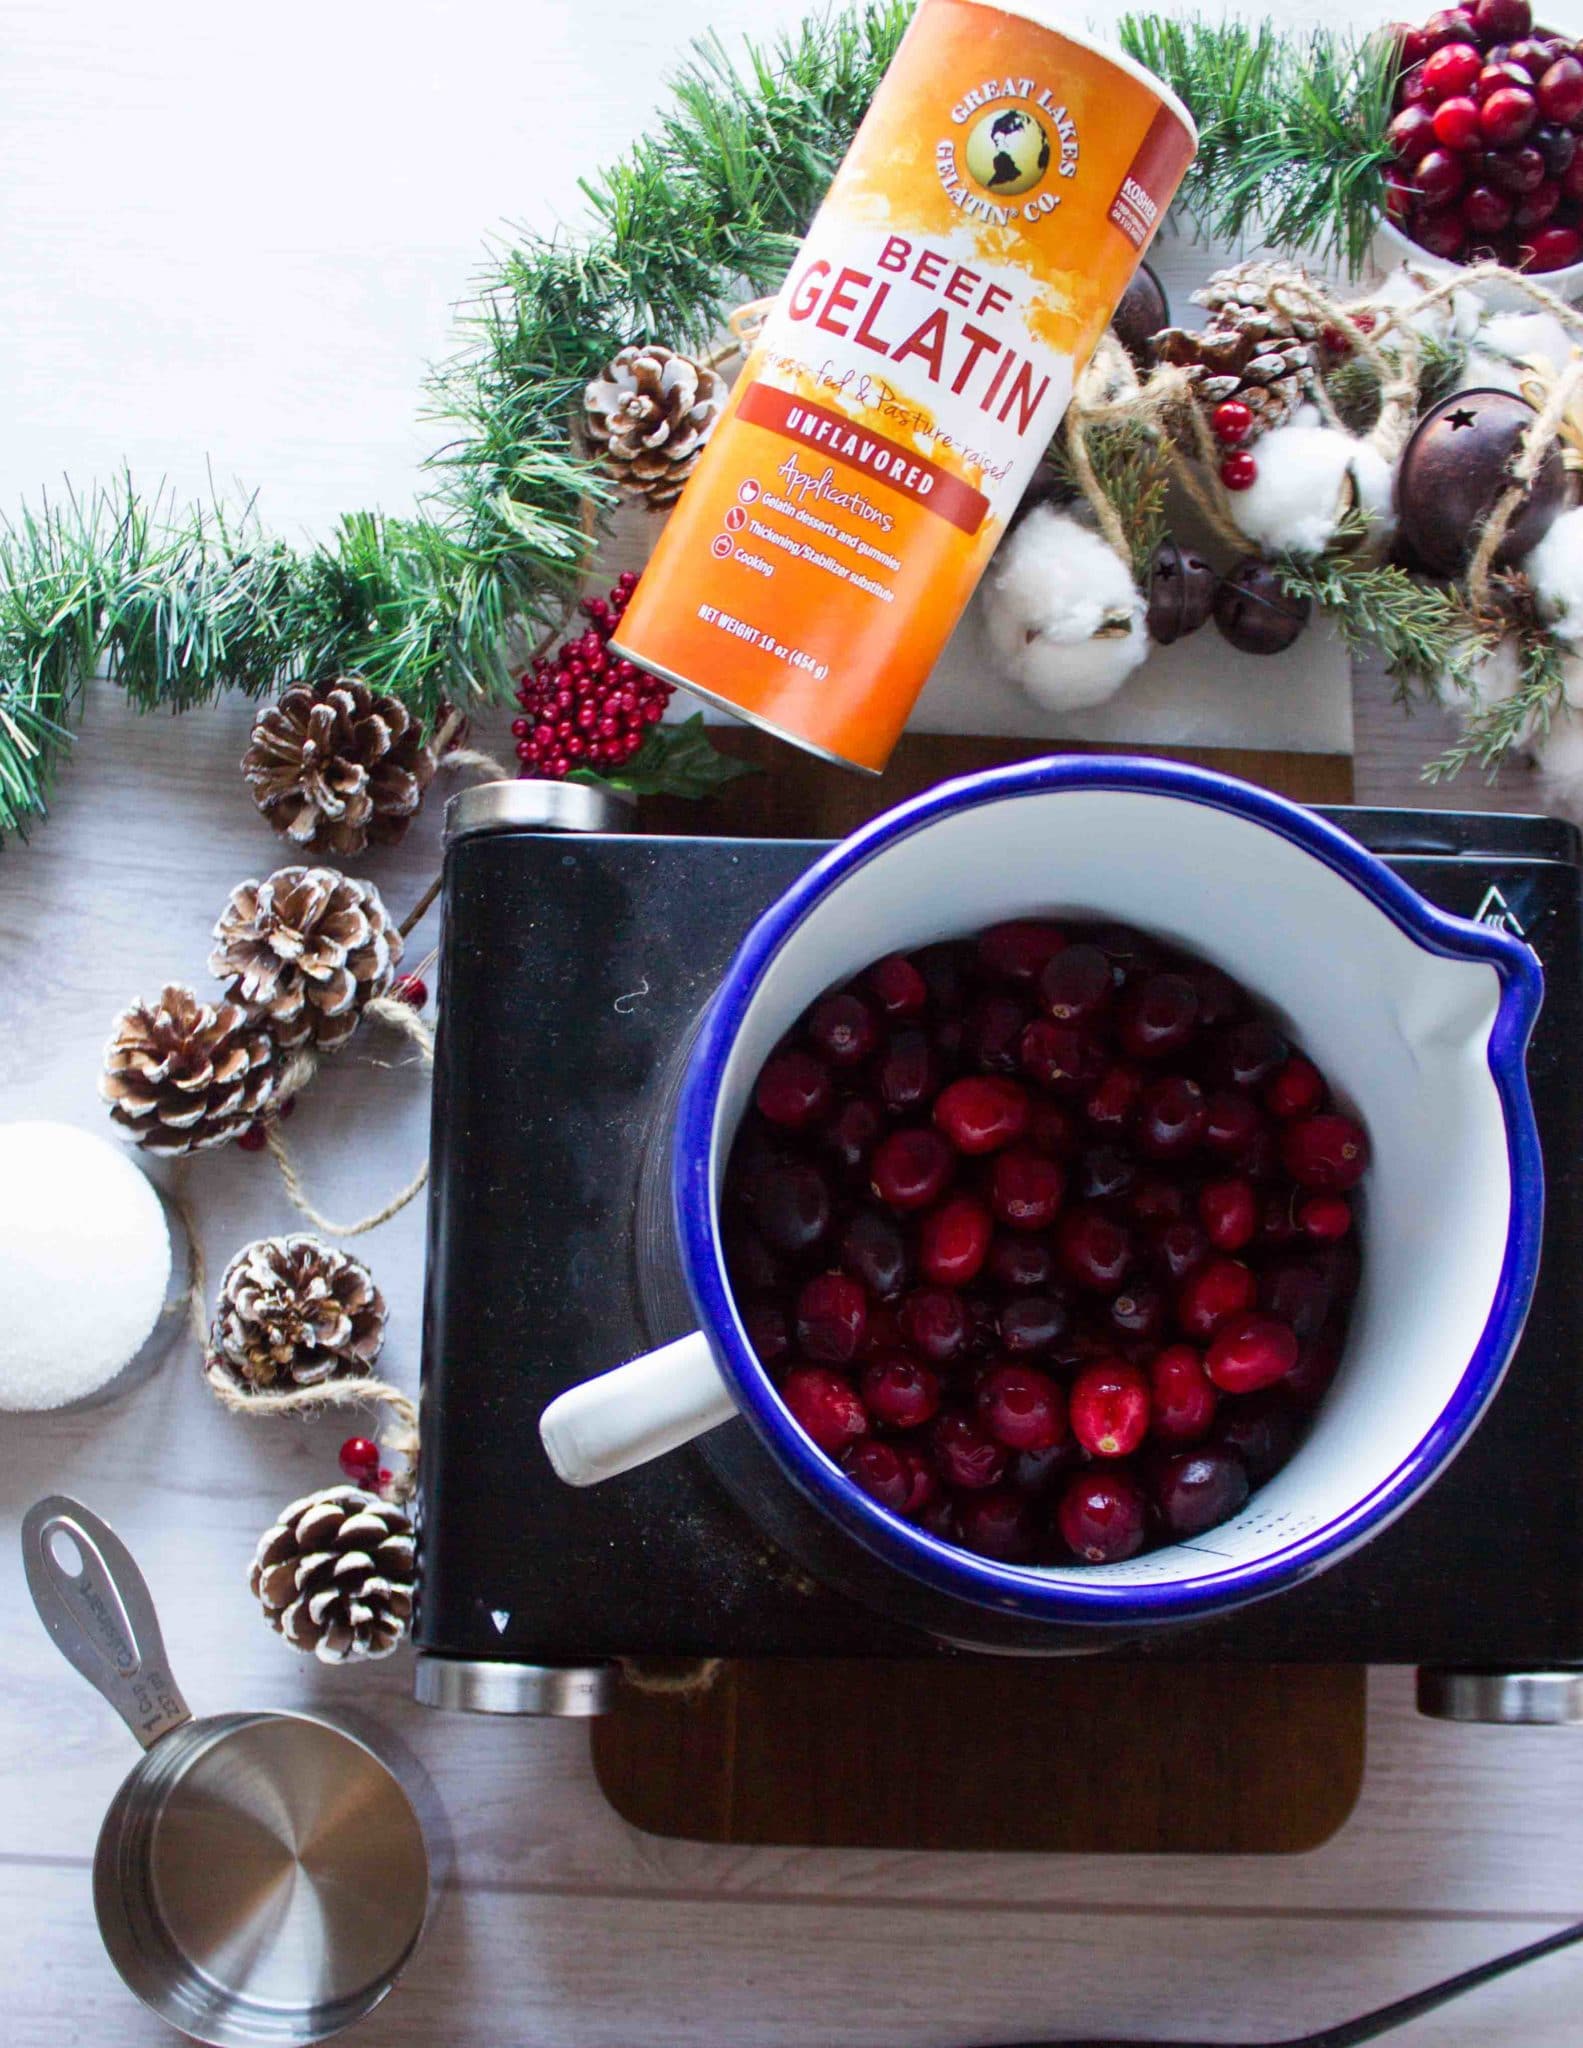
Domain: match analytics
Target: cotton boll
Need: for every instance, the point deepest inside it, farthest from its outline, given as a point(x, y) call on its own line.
point(1495, 678)
point(1308, 476)
point(1486, 372)
point(1555, 569)
point(1522, 337)
point(1375, 480)
point(1062, 612)
point(1559, 753)
point(1445, 321)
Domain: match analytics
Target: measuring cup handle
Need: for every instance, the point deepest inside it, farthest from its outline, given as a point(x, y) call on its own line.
point(102, 1619)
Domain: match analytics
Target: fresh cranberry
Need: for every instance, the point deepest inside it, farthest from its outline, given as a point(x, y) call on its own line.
point(1171, 1116)
point(1250, 1351)
point(1325, 1217)
point(1181, 1248)
point(1278, 1216)
point(1219, 1288)
point(1310, 1378)
point(1413, 46)
point(827, 1406)
point(939, 1517)
point(952, 1241)
point(874, 1252)
point(981, 1113)
point(1296, 1088)
point(1140, 1312)
point(1109, 1408)
point(1297, 1293)
point(1261, 1432)
point(997, 1524)
point(1328, 1152)
point(849, 1137)
point(993, 1031)
point(842, 1028)
point(1220, 999)
point(1439, 176)
point(1018, 1261)
point(1486, 211)
point(1018, 951)
point(1572, 179)
point(1053, 1130)
point(1077, 986)
point(832, 1318)
point(1025, 1188)
point(1113, 1097)
point(935, 1323)
point(1198, 1488)
point(897, 986)
point(1456, 124)
point(1157, 1016)
point(1060, 1056)
point(1247, 1055)
point(1229, 1212)
point(1033, 1472)
point(1450, 71)
point(1505, 117)
point(1533, 54)
point(1514, 171)
point(1094, 1250)
point(1231, 1117)
point(900, 1391)
point(1182, 1397)
point(1558, 146)
point(1497, 74)
point(754, 1267)
point(983, 1324)
point(1449, 25)
point(965, 1454)
point(1502, 21)
point(1103, 1517)
point(1411, 132)
point(790, 1204)
point(908, 1071)
point(910, 1169)
point(1536, 207)
point(1031, 1323)
point(946, 968)
point(925, 1481)
point(1443, 232)
point(767, 1332)
point(793, 1090)
point(1022, 1407)
point(1560, 91)
point(1105, 1173)
point(883, 1472)
point(1553, 249)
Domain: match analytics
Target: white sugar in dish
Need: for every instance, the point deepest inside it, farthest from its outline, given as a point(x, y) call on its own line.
point(85, 1264)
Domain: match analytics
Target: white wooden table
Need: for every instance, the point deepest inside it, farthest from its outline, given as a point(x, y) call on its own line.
point(241, 236)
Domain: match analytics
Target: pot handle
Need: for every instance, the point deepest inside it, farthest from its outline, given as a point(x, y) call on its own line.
point(639, 1411)
point(101, 1614)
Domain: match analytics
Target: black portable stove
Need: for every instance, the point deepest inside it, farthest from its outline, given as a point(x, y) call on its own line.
point(576, 959)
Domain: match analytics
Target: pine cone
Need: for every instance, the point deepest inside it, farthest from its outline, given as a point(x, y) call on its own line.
point(305, 952)
point(335, 1575)
point(333, 766)
point(293, 1312)
point(181, 1075)
point(1271, 377)
point(1241, 296)
point(649, 416)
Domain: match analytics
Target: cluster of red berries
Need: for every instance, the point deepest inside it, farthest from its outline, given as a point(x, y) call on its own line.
point(364, 1466)
point(1485, 135)
point(1232, 421)
point(583, 707)
point(1047, 1238)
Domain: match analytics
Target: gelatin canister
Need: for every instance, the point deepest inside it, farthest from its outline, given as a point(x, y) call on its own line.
point(993, 206)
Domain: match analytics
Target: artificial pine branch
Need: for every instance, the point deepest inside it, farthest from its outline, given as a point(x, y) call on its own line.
point(1426, 633)
point(1133, 469)
point(1292, 129)
point(1491, 735)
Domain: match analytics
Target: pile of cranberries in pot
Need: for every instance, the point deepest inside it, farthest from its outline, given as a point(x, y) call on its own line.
point(1489, 112)
point(1047, 1238)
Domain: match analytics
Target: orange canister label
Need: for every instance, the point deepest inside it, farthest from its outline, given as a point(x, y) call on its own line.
point(965, 262)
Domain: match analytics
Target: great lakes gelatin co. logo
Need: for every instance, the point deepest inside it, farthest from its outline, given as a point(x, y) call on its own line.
point(1018, 136)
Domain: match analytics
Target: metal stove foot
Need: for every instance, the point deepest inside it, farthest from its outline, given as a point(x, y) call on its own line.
point(1526, 1699)
point(564, 1691)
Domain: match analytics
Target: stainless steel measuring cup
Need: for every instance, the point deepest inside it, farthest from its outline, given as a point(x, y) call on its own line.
point(259, 1878)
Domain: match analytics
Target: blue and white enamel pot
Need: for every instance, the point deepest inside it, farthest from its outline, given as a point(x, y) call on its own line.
point(1420, 1019)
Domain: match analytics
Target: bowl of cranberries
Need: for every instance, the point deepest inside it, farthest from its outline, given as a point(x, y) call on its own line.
point(1109, 1194)
point(1485, 135)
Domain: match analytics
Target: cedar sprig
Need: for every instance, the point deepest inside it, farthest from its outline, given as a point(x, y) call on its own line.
point(1133, 468)
point(1490, 735)
point(1425, 631)
point(1292, 129)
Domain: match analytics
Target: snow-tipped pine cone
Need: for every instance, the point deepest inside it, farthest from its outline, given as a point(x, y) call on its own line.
point(181, 1075)
point(335, 1575)
point(334, 766)
point(293, 1312)
point(306, 951)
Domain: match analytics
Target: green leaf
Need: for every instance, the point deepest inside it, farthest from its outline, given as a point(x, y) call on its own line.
point(675, 760)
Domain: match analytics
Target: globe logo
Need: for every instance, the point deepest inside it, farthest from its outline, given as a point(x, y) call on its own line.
point(1008, 152)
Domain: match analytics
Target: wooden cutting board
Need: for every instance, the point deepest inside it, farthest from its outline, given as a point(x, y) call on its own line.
point(1006, 1753)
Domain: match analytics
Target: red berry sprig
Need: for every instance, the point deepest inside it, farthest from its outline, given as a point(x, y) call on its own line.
point(1231, 422)
point(582, 706)
point(1239, 471)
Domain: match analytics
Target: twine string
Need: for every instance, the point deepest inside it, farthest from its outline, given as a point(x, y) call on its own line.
point(1540, 436)
point(368, 1392)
